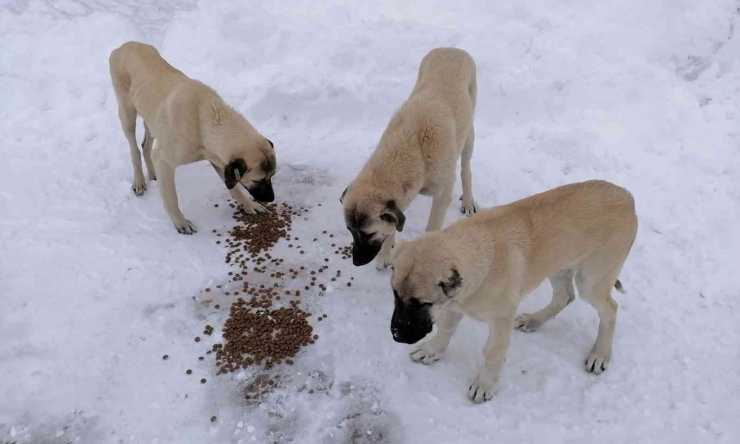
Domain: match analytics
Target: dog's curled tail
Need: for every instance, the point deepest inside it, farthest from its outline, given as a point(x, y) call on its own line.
point(618, 286)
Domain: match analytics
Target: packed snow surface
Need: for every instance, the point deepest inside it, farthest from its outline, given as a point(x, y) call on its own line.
point(96, 285)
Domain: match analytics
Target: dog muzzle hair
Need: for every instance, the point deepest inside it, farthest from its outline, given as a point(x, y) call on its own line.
point(262, 191)
point(411, 321)
point(364, 252)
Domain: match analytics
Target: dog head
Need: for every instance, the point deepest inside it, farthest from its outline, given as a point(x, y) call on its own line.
point(253, 168)
point(370, 218)
point(423, 283)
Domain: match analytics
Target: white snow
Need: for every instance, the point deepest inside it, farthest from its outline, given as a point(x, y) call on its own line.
point(96, 285)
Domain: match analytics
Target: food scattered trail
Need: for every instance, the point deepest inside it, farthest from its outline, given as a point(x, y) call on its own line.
point(266, 324)
point(102, 299)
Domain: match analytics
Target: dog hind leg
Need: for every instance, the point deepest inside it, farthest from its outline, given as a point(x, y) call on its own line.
point(146, 148)
point(468, 203)
point(127, 115)
point(563, 294)
point(597, 292)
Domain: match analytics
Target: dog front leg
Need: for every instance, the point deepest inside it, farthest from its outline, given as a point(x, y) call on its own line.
point(494, 356)
point(247, 204)
point(435, 348)
point(385, 255)
point(166, 177)
point(440, 202)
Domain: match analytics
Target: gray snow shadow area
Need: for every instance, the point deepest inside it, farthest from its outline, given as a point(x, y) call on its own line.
point(314, 408)
point(304, 402)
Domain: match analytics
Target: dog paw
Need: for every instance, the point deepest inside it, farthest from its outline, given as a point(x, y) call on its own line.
point(597, 362)
point(482, 388)
point(383, 261)
point(185, 227)
point(468, 207)
point(526, 323)
point(252, 207)
point(139, 186)
point(426, 353)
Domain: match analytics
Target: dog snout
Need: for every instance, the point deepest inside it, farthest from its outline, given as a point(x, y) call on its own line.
point(262, 191)
point(364, 252)
point(410, 323)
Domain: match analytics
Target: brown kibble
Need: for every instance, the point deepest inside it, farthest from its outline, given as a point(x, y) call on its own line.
point(208, 290)
point(188, 372)
point(203, 381)
point(197, 339)
point(216, 205)
point(315, 337)
point(349, 284)
point(200, 358)
point(166, 357)
point(217, 306)
point(213, 419)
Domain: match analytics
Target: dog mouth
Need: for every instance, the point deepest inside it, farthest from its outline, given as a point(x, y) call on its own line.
point(364, 252)
point(410, 322)
point(262, 191)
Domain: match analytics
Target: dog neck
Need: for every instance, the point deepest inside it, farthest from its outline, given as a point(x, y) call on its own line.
point(467, 244)
point(224, 132)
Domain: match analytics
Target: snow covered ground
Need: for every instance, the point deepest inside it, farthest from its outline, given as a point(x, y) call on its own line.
point(96, 285)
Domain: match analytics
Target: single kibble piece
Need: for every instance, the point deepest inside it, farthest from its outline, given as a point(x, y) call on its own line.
point(349, 284)
point(189, 372)
point(166, 357)
point(203, 381)
point(197, 339)
point(213, 419)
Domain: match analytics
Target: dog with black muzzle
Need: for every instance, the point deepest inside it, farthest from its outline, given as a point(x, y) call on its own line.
point(483, 266)
point(190, 123)
point(417, 154)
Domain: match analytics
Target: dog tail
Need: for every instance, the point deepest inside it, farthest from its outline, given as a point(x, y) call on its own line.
point(619, 287)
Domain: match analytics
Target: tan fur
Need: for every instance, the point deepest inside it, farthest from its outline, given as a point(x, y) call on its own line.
point(580, 232)
point(190, 123)
point(419, 149)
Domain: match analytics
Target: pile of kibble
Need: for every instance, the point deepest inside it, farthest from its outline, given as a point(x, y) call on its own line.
point(266, 324)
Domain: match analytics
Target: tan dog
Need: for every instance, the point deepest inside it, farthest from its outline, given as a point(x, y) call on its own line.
point(483, 267)
point(417, 154)
point(191, 123)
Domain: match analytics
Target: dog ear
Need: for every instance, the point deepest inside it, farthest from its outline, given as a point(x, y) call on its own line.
point(270, 142)
point(234, 171)
point(341, 199)
point(450, 285)
point(394, 215)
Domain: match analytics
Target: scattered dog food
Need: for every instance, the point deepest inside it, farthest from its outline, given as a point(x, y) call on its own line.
point(262, 329)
